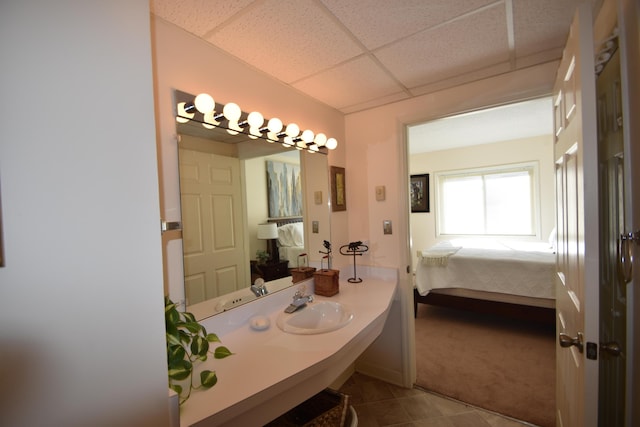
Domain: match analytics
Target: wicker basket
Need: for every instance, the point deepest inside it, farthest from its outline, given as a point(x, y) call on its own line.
point(301, 273)
point(328, 408)
point(326, 282)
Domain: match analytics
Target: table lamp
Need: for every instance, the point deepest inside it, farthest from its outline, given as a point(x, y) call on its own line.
point(269, 232)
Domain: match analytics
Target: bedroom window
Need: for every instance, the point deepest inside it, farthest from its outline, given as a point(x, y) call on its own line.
point(495, 201)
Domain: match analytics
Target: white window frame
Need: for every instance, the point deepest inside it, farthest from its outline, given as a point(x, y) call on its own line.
point(533, 166)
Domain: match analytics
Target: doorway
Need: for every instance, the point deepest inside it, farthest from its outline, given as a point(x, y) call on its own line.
point(504, 141)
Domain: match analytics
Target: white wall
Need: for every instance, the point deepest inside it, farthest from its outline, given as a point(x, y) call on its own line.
point(536, 149)
point(81, 323)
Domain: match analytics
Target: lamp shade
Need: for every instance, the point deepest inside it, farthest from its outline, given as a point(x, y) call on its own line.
point(268, 231)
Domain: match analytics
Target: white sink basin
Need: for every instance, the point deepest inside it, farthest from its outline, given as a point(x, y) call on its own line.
point(315, 318)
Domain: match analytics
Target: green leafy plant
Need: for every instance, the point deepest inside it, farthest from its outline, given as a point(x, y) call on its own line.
point(262, 256)
point(187, 344)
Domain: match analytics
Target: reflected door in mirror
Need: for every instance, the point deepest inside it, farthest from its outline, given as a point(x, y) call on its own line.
point(211, 198)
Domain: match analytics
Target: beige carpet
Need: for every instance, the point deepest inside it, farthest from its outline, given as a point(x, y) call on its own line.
point(494, 363)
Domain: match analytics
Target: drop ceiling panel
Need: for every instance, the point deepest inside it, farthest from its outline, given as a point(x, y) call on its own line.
point(541, 25)
point(354, 82)
point(289, 39)
point(197, 16)
point(380, 22)
point(458, 47)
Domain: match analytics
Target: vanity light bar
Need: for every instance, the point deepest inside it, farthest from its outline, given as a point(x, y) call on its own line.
point(204, 110)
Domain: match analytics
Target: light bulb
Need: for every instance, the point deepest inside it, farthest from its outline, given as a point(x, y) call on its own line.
point(209, 120)
point(307, 136)
point(288, 141)
point(272, 137)
point(313, 148)
point(183, 116)
point(255, 119)
point(320, 139)
point(275, 125)
point(205, 103)
point(292, 130)
point(301, 144)
point(331, 143)
point(234, 128)
point(254, 133)
point(232, 112)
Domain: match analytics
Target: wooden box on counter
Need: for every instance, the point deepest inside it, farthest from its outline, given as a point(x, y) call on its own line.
point(301, 273)
point(326, 282)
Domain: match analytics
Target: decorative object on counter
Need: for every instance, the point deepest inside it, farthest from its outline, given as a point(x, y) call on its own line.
point(327, 253)
point(187, 343)
point(354, 249)
point(302, 271)
point(326, 280)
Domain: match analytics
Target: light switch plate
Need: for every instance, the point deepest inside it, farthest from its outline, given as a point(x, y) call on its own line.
point(317, 197)
point(380, 193)
point(315, 226)
point(386, 226)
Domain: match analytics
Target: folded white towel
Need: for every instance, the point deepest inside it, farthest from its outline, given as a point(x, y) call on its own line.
point(437, 256)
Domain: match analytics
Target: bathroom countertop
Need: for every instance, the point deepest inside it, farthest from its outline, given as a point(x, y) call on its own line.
point(272, 371)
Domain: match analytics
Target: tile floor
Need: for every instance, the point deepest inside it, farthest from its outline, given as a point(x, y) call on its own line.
point(379, 404)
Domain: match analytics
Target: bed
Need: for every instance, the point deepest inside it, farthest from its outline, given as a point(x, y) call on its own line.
point(290, 239)
point(502, 276)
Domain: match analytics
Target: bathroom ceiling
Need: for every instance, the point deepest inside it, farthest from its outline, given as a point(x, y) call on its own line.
point(358, 54)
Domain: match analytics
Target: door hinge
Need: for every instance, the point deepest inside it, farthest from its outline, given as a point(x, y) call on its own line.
point(592, 351)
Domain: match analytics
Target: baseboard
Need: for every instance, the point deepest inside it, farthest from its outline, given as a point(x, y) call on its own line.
point(380, 373)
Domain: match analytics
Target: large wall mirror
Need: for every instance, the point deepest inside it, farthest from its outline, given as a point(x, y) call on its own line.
point(242, 197)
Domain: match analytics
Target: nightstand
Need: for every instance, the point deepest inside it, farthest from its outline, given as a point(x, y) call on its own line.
point(270, 270)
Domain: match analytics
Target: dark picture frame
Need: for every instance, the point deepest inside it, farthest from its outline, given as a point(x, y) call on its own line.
point(419, 193)
point(338, 189)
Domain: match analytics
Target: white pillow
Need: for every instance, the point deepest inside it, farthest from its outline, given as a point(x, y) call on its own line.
point(291, 234)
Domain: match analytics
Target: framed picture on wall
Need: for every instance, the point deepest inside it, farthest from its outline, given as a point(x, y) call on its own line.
point(284, 189)
point(419, 190)
point(338, 189)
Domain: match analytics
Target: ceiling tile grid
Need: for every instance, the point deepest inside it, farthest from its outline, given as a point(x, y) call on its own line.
point(290, 39)
point(358, 54)
point(541, 25)
point(354, 82)
point(197, 16)
point(380, 22)
point(461, 46)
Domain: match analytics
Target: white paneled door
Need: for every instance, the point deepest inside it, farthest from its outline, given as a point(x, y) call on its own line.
point(576, 157)
point(211, 199)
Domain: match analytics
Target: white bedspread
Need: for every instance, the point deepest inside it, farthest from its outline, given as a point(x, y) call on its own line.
point(515, 268)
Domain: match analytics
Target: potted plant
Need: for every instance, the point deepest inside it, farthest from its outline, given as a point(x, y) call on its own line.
point(187, 344)
point(262, 257)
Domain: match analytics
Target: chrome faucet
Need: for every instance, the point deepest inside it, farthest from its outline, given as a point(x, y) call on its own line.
point(258, 287)
point(299, 301)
